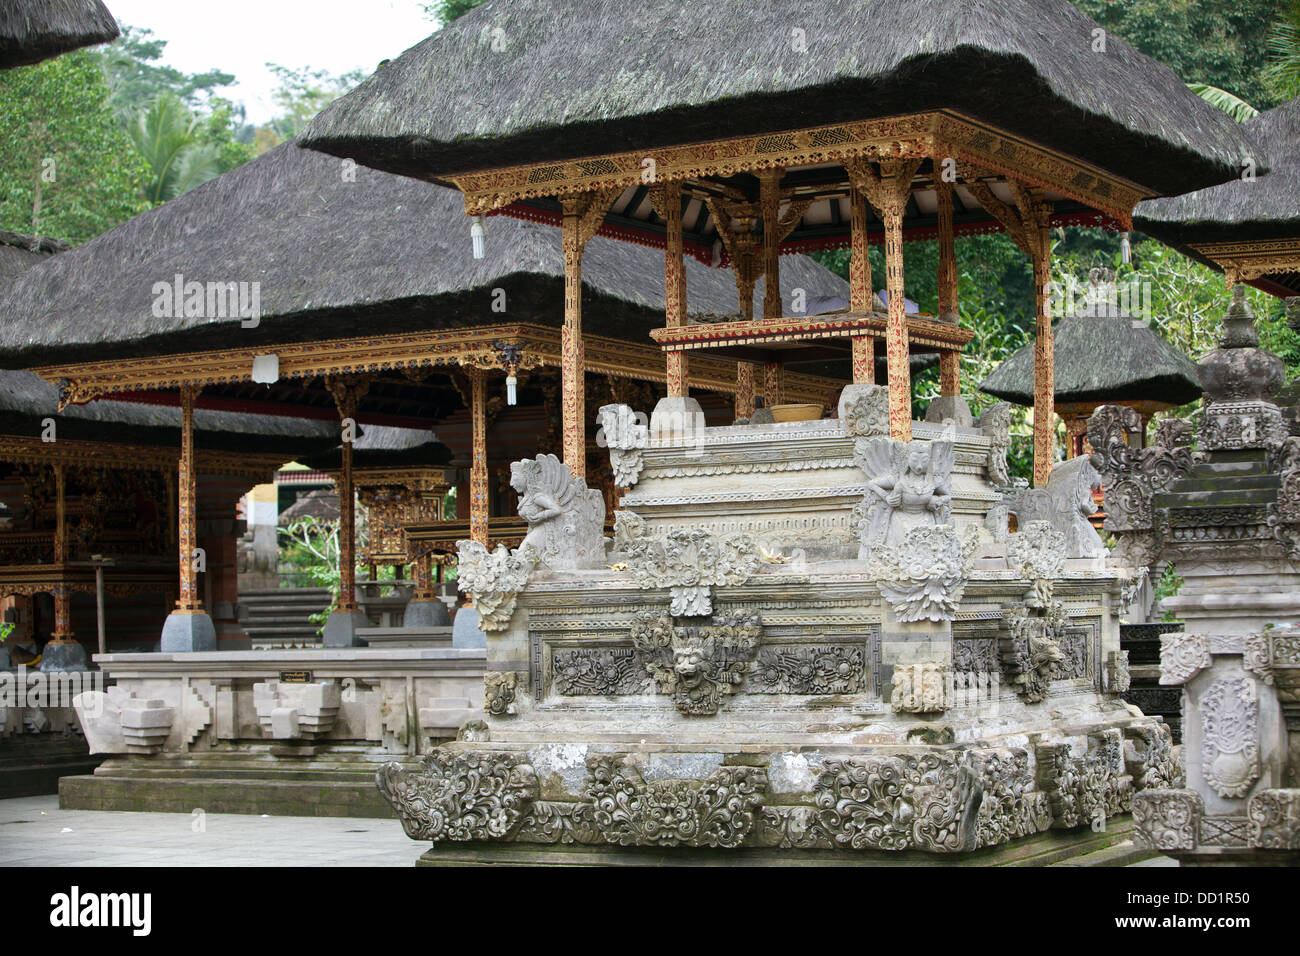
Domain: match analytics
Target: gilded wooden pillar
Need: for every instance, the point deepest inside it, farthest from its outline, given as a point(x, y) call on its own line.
point(861, 292)
point(773, 384)
point(478, 472)
point(347, 393)
point(186, 508)
point(582, 218)
point(62, 600)
point(1044, 366)
point(949, 361)
point(668, 204)
point(888, 191)
point(423, 579)
point(769, 181)
point(744, 389)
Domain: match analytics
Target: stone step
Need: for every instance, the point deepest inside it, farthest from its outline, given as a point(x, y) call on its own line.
point(1225, 482)
point(279, 797)
point(1226, 498)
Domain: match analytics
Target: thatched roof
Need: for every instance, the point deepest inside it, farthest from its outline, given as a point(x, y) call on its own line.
point(382, 446)
point(1267, 207)
point(18, 253)
point(26, 400)
point(336, 258)
point(589, 77)
point(35, 30)
point(321, 504)
point(1101, 357)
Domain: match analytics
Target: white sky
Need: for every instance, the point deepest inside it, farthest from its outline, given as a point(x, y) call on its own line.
point(241, 36)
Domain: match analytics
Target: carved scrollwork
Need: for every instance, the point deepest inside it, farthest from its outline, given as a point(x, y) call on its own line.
point(1167, 820)
point(625, 434)
point(924, 577)
point(1230, 736)
point(460, 795)
point(1082, 789)
point(808, 669)
point(499, 689)
point(1183, 656)
point(1275, 819)
point(495, 579)
point(690, 562)
point(698, 665)
point(1150, 757)
point(1031, 650)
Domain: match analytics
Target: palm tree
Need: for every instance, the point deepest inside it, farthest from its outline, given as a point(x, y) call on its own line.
point(1234, 106)
point(167, 136)
point(1283, 70)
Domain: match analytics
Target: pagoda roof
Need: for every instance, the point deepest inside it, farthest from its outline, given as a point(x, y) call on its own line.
point(1101, 358)
point(35, 30)
point(339, 252)
point(533, 81)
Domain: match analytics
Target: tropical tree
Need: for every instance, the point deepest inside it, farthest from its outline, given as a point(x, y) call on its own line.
point(169, 137)
point(1283, 70)
point(1234, 106)
point(299, 97)
point(69, 169)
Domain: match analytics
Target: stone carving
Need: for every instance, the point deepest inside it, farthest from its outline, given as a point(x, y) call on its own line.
point(1256, 657)
point(1237, 425)
point(566, 519)
point(698, 665)
point(1066, 504)
point(926, 801)
point(1085, 788)
point(499, 688)
point(689, 563)
point(864, 411)
point(1076, 656)
point(1173, 433)
point(995, 423)
point(808, 669)
point(1167, 820)
point(949, 409)
point(460, 795)
point(1011, 807)
point(907, 487)
point(1118, 679)
point(625, 436)
point(1274, 820)
point(555, 822)
point(924, 687)
point(923, 578)
point(977, 656)
point(1230, 736)
point(1150, 758)
point(495, 579)
point(1284, 513)
point(718, 811)
point(1030, 651)
point(1037, 552)
point(598, 671)
point(1132, 476)
point(628, 526)
point(296, 711)
point(1183, 656)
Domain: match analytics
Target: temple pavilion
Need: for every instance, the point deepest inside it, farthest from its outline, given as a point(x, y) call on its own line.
point(1016, 116)
point(35, 30)
point(1248, 229)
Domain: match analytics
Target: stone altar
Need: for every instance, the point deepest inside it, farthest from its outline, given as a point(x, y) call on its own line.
point(752, 666)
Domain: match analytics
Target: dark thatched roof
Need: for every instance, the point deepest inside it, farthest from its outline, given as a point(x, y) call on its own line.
point(18, 253)
point(382, 446)
point(589, 77)
point(35, 30)
point(1101, 358)
point(321, 504)
point(336, 257)
point(1267, 207)
point(26, 400)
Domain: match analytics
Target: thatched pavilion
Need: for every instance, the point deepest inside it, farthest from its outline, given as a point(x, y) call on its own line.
point(1103, 357)
point(370, 308)
point(35, 30)
point(780, 118)
point(1249, 229)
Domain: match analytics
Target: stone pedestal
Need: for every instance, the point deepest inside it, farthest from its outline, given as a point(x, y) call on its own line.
point(341, 628)
point(430, 613)
point(188, 632)
point(62, 657)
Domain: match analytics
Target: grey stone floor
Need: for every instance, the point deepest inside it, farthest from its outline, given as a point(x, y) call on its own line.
point(35, 832)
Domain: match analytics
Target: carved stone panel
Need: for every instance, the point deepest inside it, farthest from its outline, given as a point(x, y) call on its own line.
point(1230, 736)
point(604, 671)
point(808, 669)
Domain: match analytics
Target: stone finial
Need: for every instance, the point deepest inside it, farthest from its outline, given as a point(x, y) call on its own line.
point(1239, 324)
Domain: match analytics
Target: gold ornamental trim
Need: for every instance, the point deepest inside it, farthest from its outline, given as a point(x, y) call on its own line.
point(806, 329)
point(1244, 261)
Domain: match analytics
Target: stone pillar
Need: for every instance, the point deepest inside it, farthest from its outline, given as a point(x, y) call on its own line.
point(346, 617)
point(744, 389)
point(188, 627)
point(861, 292)
point(478, 472)
point(670, 199)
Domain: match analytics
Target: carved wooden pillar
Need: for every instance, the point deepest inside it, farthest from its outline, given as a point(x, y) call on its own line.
point(667, 200)
point(744, 389)
point(949, 361)
point(1044, 365)
point(861, 292)
point(62, 599)
point(769, 183)
point(347, 393)
point(888, 191)
point(423, 579)
point(735, 224)
point(582, 217)
point(773, 384)
point(478, 472)
point(186, 509)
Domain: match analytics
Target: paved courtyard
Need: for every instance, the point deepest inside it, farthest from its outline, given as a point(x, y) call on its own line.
point(35, 832)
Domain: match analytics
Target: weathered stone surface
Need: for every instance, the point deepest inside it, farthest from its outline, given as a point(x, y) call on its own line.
point(566, 519)
point(459, 796)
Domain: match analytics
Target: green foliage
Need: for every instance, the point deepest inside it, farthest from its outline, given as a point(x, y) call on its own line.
point(1283, 70)
point(1222, 43)
point(136, 78)
point(171, 140)
point(300, 96)
point(445, 11)
point(69, 169)
point(1234, 106)
point(6, 628)
point(1167, 585)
